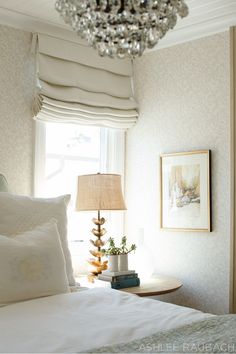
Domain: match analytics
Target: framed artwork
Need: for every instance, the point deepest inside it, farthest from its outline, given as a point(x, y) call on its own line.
point(186, 191)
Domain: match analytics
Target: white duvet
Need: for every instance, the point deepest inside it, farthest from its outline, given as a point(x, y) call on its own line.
point(84, 320)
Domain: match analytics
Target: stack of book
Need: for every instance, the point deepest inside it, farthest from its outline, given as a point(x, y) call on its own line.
point(120, 280)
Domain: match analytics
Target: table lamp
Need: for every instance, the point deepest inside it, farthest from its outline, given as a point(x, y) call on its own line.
point(99, 192)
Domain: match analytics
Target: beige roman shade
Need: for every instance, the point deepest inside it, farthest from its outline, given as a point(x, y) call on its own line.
point(78, 86)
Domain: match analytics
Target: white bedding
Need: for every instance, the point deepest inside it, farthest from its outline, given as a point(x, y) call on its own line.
point(84, 320)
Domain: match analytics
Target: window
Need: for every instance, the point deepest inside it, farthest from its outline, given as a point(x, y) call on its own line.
point(64, 151)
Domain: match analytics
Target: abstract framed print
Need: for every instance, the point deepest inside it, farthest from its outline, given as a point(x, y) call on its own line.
point(186, 191)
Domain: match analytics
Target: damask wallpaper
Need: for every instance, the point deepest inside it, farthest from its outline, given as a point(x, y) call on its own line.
point(184, 99)
point(16, 95)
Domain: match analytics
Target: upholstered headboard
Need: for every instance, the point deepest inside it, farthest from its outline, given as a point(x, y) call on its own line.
point(3, 184)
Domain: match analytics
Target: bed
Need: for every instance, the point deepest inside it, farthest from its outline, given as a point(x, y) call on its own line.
point(81, 321)
point(100, 320)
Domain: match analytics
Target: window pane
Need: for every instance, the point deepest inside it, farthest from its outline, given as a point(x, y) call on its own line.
point(71, 150)
point(73, 139)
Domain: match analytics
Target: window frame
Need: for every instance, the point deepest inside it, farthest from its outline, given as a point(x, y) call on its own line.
point(112, 160)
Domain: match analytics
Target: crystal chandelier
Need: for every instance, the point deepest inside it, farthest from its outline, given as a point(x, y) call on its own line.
point(121, 28)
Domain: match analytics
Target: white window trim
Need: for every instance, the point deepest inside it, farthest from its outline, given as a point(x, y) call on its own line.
point(39, 158)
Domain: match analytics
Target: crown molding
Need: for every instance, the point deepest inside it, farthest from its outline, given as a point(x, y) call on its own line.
point(208, 18)
point(32, 24)
point(198, 30)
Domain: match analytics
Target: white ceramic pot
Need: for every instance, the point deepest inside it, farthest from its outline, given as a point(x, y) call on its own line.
point(113, 263)
point(123, 262)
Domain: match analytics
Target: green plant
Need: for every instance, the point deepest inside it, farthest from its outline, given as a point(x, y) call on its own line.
point(123, 246)
point(112, 249)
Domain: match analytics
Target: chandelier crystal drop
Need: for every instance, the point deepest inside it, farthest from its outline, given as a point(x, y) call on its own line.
point(121, 28)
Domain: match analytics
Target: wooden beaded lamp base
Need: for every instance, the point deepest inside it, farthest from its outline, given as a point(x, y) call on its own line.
point(97, 264)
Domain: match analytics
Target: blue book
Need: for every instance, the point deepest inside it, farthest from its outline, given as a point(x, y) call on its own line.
point(125, 283)
point(124, 277)
point(117, 278)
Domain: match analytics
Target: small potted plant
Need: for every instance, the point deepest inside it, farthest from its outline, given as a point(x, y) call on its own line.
point(112, 252)
point(123, 254)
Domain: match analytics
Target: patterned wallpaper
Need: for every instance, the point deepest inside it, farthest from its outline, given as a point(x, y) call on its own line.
point(184, 95)
point(16, 95)
point(184, 98)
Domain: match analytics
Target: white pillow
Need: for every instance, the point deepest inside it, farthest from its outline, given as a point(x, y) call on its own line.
point(21, 213)
point(32, 265)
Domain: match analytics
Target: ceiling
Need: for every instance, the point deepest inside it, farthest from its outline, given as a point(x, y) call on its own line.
point(40, 10)
point(206, 17)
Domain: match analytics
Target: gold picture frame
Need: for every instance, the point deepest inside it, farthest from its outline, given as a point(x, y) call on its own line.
point(185, 191)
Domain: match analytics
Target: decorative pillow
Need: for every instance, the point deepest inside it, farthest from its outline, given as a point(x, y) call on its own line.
point(32, 265)
point(20, 213)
